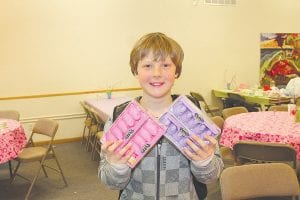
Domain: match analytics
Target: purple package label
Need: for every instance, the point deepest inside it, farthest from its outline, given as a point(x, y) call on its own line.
point(135, 126)
point(185, 119)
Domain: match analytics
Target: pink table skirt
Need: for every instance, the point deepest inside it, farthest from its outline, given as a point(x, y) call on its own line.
point(275, 127)
point(12, 140)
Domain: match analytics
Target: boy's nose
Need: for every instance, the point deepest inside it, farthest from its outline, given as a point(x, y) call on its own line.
point(157, 70)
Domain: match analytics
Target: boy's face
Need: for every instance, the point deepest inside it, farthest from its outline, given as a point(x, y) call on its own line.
point(156, 77)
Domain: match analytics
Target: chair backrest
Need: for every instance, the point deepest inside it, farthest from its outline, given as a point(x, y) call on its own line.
point(197, 96)
point(46, 127)
point(200, 98)
point(227, 112)
point(219, 121)
point(10, 114)
point(259, 180)
point(260, 152)
point(86, 109)
point(278, 108)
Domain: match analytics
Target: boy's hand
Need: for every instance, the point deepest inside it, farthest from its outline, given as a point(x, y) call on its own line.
point(201, 149)
point(121, 157)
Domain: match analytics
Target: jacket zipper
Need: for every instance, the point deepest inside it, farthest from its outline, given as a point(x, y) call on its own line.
point(158, 169)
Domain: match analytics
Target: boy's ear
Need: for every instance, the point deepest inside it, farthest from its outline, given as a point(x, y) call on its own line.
point(176, 75)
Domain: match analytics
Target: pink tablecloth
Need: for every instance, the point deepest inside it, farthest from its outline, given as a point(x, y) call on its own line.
point(276, 127)
point(12, 140)
point(105, 106)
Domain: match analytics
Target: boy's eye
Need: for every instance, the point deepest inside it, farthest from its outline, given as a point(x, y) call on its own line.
point(147, 65)
point(167, 65)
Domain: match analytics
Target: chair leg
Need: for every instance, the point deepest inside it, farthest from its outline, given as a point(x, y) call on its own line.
point(91, 141)
point(10, 169)
point(98, 148)
point(15, 173)
point(44, 170)
point(94, 148)
point(87, 146)
point(83, 135)
point(60, 170)
point(33, 181)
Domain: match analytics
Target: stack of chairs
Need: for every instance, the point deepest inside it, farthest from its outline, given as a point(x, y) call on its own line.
point(96, 146)
point(87, 123)
point(92, 131)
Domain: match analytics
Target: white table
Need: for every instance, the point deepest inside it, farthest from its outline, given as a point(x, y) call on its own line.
point(105, 106)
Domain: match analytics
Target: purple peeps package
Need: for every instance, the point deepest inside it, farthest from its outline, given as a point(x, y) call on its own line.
point(134, 125)
point(183, 120)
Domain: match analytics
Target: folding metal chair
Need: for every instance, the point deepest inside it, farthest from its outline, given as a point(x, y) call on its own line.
point(39, 154)
point(208, 108)
point(227, 112)
point(246, 152)
point(256, 181)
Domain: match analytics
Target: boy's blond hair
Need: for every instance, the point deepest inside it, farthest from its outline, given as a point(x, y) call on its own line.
point(161, 46)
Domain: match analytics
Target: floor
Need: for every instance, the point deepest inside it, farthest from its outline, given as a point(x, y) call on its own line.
point(80, 172)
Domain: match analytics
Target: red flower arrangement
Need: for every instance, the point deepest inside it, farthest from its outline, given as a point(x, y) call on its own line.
point(282, 68)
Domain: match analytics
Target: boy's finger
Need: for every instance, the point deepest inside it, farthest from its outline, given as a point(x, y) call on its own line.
point(106, 144)
point(125, 149)
point(193, 146)
point(211, 140)
point(128, 155)
point(115, 145)
point(190, 154)
point(199, 141)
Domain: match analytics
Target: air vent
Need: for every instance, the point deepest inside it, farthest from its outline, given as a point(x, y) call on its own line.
point(220, 2)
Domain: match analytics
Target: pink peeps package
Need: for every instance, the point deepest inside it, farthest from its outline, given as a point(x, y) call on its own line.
point(134, 125)
point(183, 120)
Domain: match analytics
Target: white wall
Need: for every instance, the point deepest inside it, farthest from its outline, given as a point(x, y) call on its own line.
point(72, 45)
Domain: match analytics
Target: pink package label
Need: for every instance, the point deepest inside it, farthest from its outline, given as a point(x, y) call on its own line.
point(183, 120)
point(134, 125)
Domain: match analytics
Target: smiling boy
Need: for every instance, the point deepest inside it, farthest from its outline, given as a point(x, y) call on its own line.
point(164, 173)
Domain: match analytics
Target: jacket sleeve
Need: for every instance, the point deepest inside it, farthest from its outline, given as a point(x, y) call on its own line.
point(211, 171)
point(109, 175)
